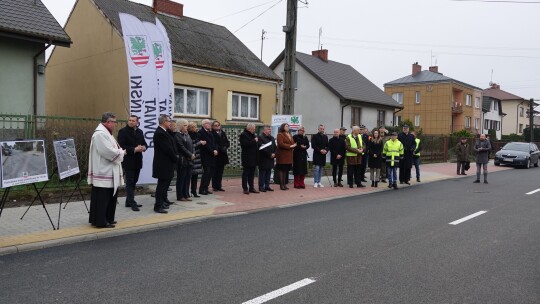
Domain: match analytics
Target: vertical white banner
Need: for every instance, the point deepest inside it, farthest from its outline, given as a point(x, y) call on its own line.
point(162, 59)
point(167, 66)
point(143, 91)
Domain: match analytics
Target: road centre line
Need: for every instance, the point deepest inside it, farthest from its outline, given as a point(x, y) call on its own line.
point(279, 292)
point(467, 218)
point(533, 192)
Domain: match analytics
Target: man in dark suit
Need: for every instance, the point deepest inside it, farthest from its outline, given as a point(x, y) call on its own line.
point(222, 159)
point(131, 139)
point(165, 159)
point(209, 153)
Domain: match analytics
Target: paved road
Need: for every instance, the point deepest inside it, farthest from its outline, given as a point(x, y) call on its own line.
point(31, 162)
point(387, 247)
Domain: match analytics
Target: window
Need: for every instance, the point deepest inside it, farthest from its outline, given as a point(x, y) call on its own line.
point(520, 128)
point(245, 106)
point(417, 97)
point(398, 120)
point(477, 123)
point(381, 118)
point(191, 101)
point(477, 102)
point(416, 120)
point(356, 115)
point(521, 112)
point(398, 97)
point(467, 122)
point(486, 124)
point(468, 100)
point(495, 106)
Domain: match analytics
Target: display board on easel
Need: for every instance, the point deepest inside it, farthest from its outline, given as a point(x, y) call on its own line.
point(66, 157)
point(23, 162)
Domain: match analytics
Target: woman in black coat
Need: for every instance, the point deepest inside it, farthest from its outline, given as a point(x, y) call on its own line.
point(336, 146)
point(197, 166)
point(300, 158)
point(375, 149)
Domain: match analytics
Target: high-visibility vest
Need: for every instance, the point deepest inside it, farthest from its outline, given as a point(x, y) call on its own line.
point(393, 150)
point(417, 140)
point(353, 145)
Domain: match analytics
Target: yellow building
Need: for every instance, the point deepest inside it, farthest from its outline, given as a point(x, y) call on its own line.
point(437, 104)
point(215, 75)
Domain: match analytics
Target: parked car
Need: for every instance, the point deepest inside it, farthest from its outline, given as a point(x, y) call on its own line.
point(518, 154)
point(6, 150)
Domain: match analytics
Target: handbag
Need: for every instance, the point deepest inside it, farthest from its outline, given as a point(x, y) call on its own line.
point(467, 165)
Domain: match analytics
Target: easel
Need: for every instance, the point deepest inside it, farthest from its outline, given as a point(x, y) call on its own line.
point(77, 187)
point(40, 199)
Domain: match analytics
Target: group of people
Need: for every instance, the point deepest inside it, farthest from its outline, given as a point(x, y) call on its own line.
point(482, 147)
point(360, 150)
point(181, 148)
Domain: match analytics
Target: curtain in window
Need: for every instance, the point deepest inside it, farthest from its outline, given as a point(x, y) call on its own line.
point(235, 105)
point(191, 102)
point(203, 103)
point(244, 106)
point(254, 107)
point(179, 101)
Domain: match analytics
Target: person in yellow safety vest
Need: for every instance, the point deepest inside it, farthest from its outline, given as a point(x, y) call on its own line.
point(355, 148)
point(416, 156)
point(393, 152)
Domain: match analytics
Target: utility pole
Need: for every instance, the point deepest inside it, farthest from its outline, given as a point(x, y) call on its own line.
point(531, 120)
point(262, 42)
point(290, 56)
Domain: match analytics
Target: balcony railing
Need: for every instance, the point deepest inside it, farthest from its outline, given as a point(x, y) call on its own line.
point(457, 108)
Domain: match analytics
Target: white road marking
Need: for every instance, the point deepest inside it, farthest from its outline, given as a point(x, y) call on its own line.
point(533, 192)
point(467, 218)
point(277, 293)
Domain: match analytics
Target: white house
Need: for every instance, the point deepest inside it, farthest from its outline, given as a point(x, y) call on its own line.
point(335, 94)
point(492, 115)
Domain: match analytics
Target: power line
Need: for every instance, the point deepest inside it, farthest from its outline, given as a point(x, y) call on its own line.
point(500, 1)
point(420, 44)
point(244, 10)
point(266, 10)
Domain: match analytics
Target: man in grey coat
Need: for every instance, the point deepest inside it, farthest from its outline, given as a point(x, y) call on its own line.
point(482, 148)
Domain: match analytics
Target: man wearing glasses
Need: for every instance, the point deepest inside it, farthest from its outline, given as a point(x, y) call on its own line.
point(165, 159)
point(104, 172)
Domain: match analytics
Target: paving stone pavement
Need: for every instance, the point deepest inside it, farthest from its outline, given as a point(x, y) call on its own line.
point(35, 231)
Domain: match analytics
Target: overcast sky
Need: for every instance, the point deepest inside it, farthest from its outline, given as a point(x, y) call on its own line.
point(471, 41)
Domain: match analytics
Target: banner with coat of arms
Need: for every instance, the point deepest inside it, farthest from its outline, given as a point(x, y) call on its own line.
point(147, 57)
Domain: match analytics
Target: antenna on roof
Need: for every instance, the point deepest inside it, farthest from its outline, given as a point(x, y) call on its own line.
point(320, 34)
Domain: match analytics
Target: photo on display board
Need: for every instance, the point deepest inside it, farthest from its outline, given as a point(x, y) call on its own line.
point(23, 162)
point(66, 157)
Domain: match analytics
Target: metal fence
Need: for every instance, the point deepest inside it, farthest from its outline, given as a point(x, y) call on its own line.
point(49, 128)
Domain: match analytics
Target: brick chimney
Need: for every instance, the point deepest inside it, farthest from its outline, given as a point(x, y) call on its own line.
point(322, 54)
point(168, 7)
point(434, 69)
point(416, 68)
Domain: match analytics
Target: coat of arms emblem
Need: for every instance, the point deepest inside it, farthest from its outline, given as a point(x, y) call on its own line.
point(158, 54)
point(138, 51)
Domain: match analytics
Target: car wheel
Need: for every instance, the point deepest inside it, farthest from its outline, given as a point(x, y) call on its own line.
point(537, 161)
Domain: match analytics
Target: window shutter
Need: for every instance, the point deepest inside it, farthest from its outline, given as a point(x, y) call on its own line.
point(229, 105)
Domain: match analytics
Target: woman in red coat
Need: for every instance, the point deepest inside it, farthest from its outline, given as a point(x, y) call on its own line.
point(284, 158)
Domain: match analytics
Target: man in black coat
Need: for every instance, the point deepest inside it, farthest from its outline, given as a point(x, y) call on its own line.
point(319, 143)
point(405, 165)
point(267, 155)
point(336, 146)
point(165, 159)
point(249, 146)
point(131, 139)
point(209, 153)
point(222, 159)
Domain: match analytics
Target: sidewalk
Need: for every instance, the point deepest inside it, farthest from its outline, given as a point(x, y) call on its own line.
point(35, 230)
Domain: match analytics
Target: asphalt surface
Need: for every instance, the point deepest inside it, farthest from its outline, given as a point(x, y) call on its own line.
point(386, 247)
point(32, 162)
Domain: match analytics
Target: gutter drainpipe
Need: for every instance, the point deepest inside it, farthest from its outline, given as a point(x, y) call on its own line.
point(342, 109)
point(35, 75)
